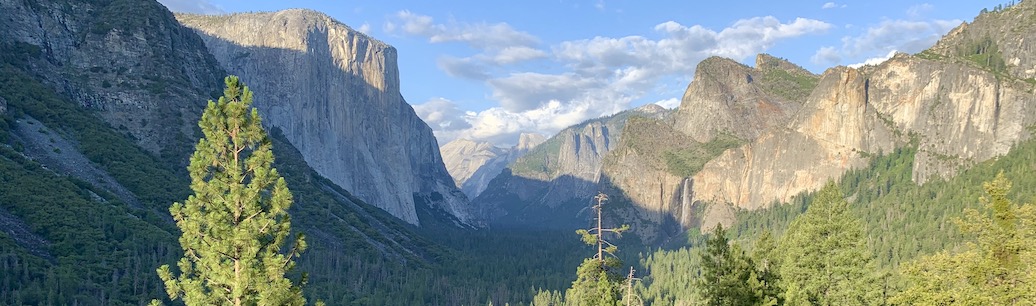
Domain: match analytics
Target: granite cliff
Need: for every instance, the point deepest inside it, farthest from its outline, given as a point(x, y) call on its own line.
point(967, 99)
point(727, 104)
point(142, 72)
point(334, 93)
point(473, 163)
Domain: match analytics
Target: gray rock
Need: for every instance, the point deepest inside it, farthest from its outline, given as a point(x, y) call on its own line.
point(152, 81)
point(334, 93)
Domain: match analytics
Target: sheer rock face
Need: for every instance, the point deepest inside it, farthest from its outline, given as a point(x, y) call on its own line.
point(959, 108)
point(728, 97)
point(334, 93)
point(473, 164)
point(959, 114)
point(143, 74)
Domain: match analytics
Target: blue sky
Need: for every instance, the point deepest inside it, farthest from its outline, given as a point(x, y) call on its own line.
point(489, 70)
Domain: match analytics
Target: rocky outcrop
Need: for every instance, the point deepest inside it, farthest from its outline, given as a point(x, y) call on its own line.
point(835, 131)
point(957, 114)
point(3, 106)
point(728, 97)
point(473, 164)
point(334, 93)
point(134, 64)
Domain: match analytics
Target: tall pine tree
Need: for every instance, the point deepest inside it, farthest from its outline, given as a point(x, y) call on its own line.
point(826, 261)
point(598, 282)
point(236, 223)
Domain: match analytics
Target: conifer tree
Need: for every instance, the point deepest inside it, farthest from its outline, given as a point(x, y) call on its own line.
point(826, 261)
point(998, 267)
point(236, 223)
point(729, 276)
point(598, 282)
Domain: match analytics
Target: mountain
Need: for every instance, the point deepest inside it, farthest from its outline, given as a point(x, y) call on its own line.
point(473, 164)
point(549, 185)
point(99, 103)
point(334, 92)
point(728, 97)
point(747, 137)
point(967, 99)
point(123, 59)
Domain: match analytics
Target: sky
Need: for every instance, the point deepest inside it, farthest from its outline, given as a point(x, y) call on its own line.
point(489, 70)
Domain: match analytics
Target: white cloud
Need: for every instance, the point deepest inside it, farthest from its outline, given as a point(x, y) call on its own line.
point(670, 103)
point(192, 6)
point(482, 36)
point(831, 5)
point(497, 44)
point(875, 60)
point(365, 28)
point(515, 54)
point(525, 91)
point(467, 68)
point(442, 115)
point(826, 56)
point(890, 35)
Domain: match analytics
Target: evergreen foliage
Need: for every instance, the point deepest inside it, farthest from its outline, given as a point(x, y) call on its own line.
point(598, 280)
point(996, 267)
point(825, 260)
point(236, 222)
point(725, 271)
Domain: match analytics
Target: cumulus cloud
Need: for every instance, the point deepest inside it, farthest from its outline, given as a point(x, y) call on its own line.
point(482, 36)
point(192, 6)
point(467, 68)
point(528, 90)
point(670, 103)
point(826, 56)
point(365, 28)
point(875, 60)
point(442, 115)
point(498, 44)
point(908, 36)
point(890, 35)
point(515, 54)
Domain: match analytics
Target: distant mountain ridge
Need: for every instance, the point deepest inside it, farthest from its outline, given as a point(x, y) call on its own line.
point(473, 164)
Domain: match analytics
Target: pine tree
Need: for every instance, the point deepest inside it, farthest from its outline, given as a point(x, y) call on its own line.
point(997, 268)
point(766, 283)
point(236, 222)
point(598, 282)
point(826, 261)
point(729, 276)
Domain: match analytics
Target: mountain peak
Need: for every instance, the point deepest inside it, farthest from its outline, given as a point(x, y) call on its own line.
point(527, 141)
point(764, 62)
